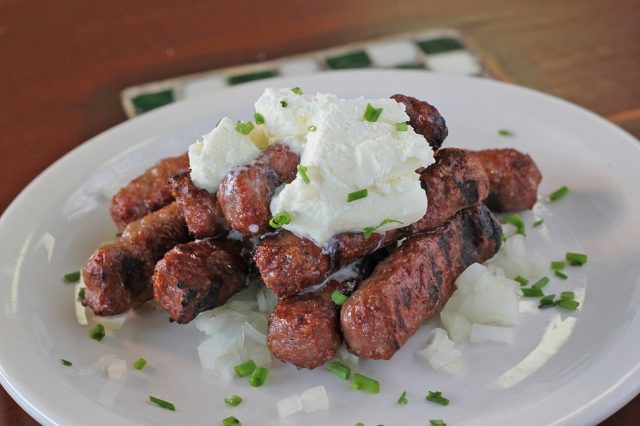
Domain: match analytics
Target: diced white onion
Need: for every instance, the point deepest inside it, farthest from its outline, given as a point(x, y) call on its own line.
point(315, 399)
point(252, 333)
point(289, 406)
point(440, 352)
point(347, 357)
point(489, 333)
point(116, 368)
point(112, 322)
point(81, 312)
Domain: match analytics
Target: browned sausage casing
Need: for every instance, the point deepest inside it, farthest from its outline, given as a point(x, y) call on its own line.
point(425, 119)
point(148, 192)
point(199, 275)
point(200, 208)
point(514, 179)
point(289, 264)
point(414, 282)
point(245, 193)
point(118, 274)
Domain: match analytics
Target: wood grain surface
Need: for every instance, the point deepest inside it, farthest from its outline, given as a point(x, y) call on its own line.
point(64, 63)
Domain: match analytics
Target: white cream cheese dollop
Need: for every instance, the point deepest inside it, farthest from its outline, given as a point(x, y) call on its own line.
point(218, 152)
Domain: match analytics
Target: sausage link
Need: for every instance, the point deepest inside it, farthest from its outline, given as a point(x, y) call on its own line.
point(200, 208)
point(425, 120)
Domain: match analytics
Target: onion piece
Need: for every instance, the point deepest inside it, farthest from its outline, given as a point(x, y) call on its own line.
point(315, 399)
point(81, 311)
point(440, 352)
point(490, 333)
point(290, 405)
point(116, 368)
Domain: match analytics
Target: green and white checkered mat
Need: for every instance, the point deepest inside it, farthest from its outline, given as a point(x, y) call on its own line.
point(442, 50)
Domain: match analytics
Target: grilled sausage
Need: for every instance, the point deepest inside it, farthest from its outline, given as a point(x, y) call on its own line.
point(414, 282)
point(245, 193)
point(148, 192)
point(118, 274)
point(514, 179)
point(425, 120)
point(304, 329)
point(289, 264)
point(200, 208)
point(199, 275)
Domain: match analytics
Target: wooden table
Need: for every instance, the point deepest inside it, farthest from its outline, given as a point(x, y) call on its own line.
point(64, 63)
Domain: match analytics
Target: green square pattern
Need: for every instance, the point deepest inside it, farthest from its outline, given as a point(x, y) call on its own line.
point(356, 59)
point(243, 78)
point(439, 45)
point(149, 101)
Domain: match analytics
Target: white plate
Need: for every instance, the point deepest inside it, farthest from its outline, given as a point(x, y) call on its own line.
point(53, 226)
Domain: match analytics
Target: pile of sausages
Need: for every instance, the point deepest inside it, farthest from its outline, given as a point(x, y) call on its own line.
point(191, 250)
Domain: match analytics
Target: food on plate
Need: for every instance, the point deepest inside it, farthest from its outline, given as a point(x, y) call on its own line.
point(118, 274)
point(148, 192)
point(414, 282)
point(200, 275)
point(425, 120)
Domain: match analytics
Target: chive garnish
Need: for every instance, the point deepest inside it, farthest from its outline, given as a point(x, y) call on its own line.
point(97, 332)
point(567, 295)
point(538, 223)
point(437, 398)
point(245, 368)
point(338, 297)
point(515, 220)
point(402, 127)
point(372, 113)
point(297, 90)
point(560, 275)
point(284, 104)
point(258, 377)
point(547, 301)
point(559, 193)
point(365, 384)
point(357, 195)
point(570, 304)
point(81, 294)
point(437, 422)
point(558, 264)
point(234, 400)
point(162, 403)
point(312, 128)
point(231, 421)
point(244, 128)
point(576, 259)
point(140, 363)
point(65, 362)
point(280, 219)
point(371, 229)
point(303, 172)
point(403, 398)
point(504, 132)
point(339, 369)
point(541, 282)
point(532, 292)
point(72, 277)
point(359, 424)
point(258, 117)
point(521, 280)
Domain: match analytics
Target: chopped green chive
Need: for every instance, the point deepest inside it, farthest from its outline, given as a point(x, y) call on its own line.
point(403, 398)
point(65, 362)
point(312, 128)
point(532, 292)
point(547, 301)
point(541, 282)
point(97, 332)
point(357, 195)
point(258, 117)
point(364, 383)
point(244, 128)
point(372, 113)
point(72, 277)
point(280, 219)
point(284, 104)
point(245, 368)
point(521, 280)
point(369, 230)
point(303, 172)
point(572, 305)
point(140, 363)
point(297, 90)
point(560, 275)
point(162, 403)
point(359, 424)
point(234, 400)
point(515, 220)
point(81, 295)
point(339, 369)
point(231, 421)
point(338, 297)
point(437, 398)
point(402, 127)
point(437, 422)
point(576, 259)
point(558, 264)
point(504, 132)
point(538, 223)
point(559, 193)
point(567, 295)
point(258, 377)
